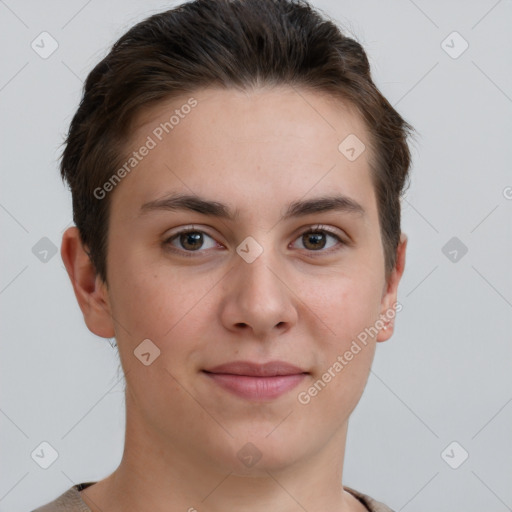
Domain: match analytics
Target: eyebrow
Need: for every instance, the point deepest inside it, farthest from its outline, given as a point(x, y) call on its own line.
point(174, 202)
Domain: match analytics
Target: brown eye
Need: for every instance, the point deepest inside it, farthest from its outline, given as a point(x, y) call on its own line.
point(188, 240)
point(191, 240)
point(316, 240)
point(312, 240)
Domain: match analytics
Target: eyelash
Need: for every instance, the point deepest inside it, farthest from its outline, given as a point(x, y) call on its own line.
point(315, 229)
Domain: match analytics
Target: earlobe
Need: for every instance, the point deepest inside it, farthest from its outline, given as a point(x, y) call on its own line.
point(389, 302)
point(90, 290)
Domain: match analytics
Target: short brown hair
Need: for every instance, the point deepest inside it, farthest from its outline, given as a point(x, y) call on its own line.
point(230, 44)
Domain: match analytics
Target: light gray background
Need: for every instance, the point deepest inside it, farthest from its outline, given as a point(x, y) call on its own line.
point(446, 373)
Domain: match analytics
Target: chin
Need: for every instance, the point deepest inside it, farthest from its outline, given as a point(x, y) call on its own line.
point(257, 455)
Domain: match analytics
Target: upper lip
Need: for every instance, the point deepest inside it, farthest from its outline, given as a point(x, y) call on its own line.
point(270, 369)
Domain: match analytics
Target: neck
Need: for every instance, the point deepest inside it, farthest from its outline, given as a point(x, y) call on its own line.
point(159, 475)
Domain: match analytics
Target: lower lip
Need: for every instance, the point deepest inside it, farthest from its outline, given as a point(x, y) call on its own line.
point(256, 388)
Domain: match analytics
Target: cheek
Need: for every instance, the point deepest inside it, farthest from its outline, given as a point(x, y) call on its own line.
point(337, 385)
point(349, 309)
point(345, 382)
point(152, 299)
point(348, 305)
point(144, 300)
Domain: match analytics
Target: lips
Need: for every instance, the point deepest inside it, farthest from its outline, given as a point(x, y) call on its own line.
point(256, 381)
point(270, 369)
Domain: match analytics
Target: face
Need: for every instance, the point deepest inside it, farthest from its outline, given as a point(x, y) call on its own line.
point(280, 276)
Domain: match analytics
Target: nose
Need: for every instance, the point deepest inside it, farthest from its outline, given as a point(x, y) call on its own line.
point(258, 299)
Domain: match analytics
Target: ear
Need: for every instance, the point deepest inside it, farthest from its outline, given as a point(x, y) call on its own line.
point(389, 297)
point(90, 291)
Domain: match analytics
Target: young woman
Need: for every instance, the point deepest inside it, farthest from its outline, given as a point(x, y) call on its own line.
point(236, 180)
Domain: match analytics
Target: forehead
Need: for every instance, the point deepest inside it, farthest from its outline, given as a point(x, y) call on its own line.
point(283, 109)
point(276, 144)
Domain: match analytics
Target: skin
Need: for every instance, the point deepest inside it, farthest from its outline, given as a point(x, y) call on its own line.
point(256, 151)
